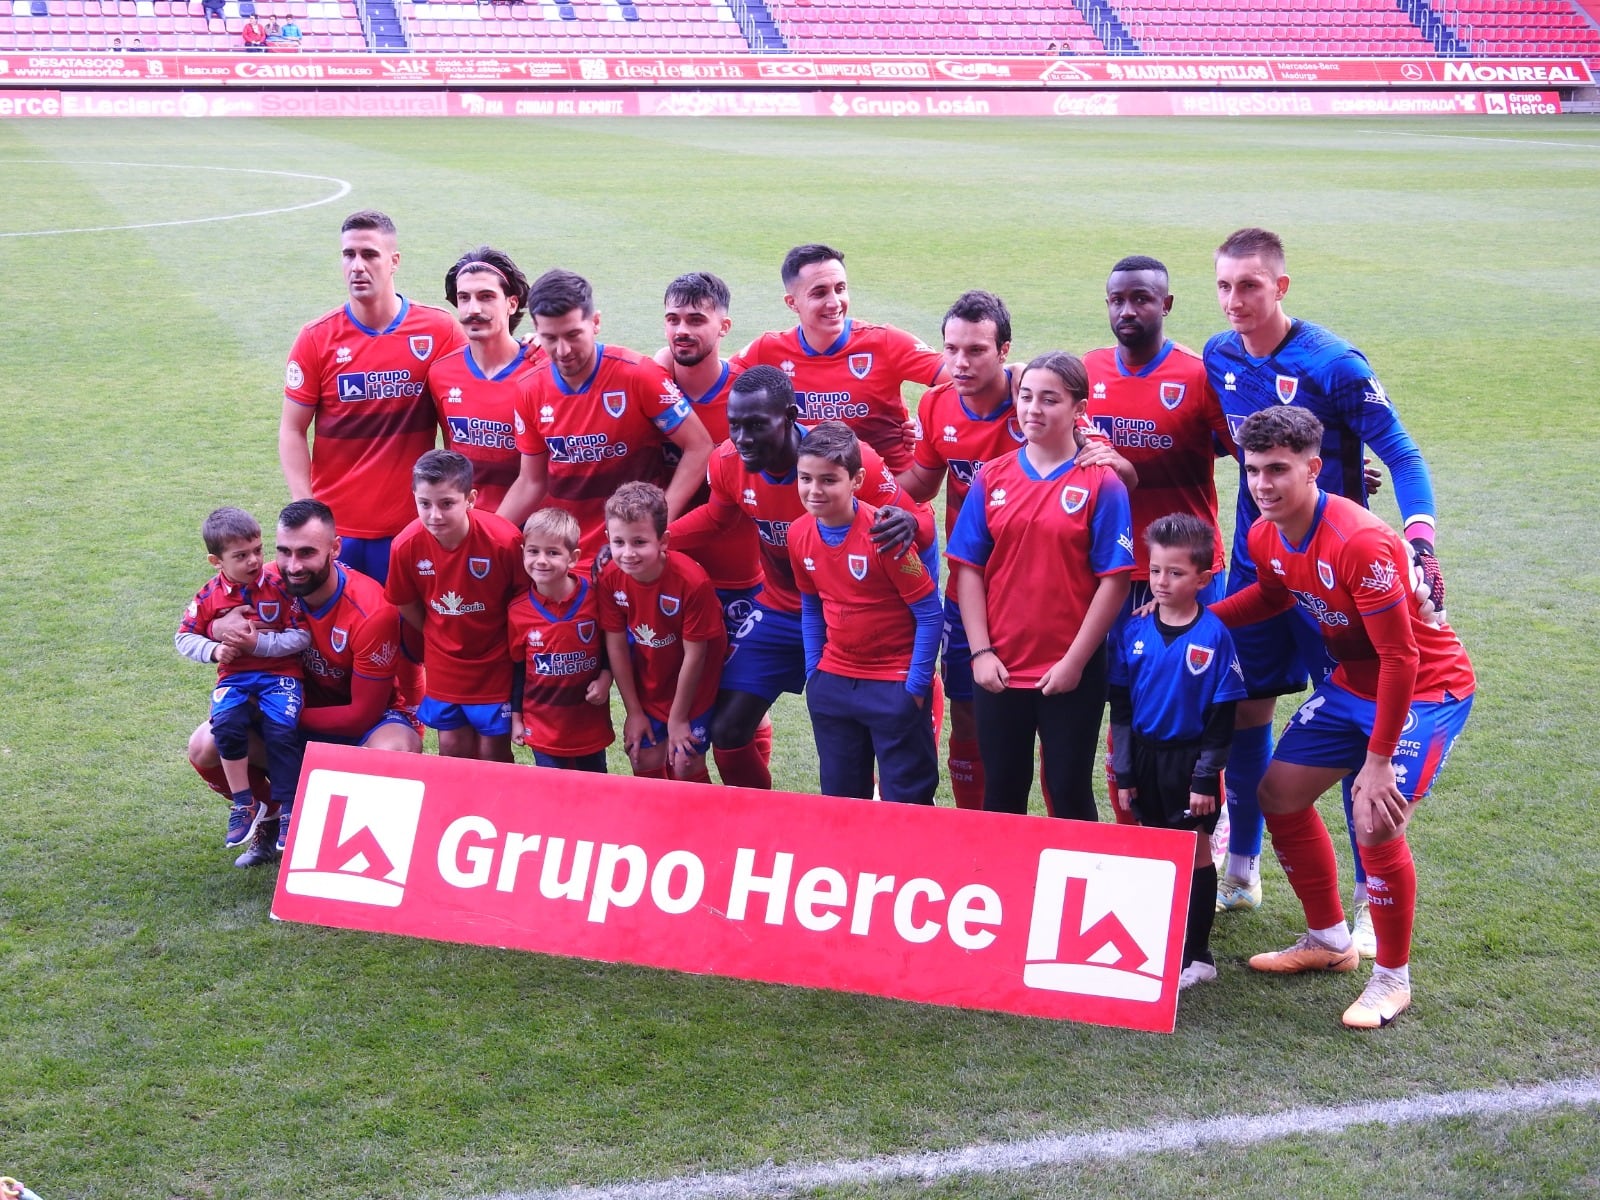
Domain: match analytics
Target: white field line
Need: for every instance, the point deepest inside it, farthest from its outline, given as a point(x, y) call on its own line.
point(343, 189)
point(1473, 137)
point(1179, 1136)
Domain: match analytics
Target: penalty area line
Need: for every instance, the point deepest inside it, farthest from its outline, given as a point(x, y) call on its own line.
point(1027, 1155)
point(344, 188)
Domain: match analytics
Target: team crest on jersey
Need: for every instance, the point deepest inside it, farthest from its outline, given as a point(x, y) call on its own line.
point(669, 604)
point(1325, 573)
point(615, 403)
point(268, 610)
point(422, 346)
point(1288, 389)
point(1074, 497)
point(860, 365)
point(1172, 395)
point(858, 566)
point(338, 639)
point(479, 567)
point(1199, 658)
point(586, 631)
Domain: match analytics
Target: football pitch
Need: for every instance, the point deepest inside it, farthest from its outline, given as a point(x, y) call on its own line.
point(163, 1038)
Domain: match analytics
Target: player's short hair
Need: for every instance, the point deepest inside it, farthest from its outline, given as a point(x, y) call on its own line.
point(494, 262)
point(1066, 367)
point(698, 289)
point(1141, 262)
point(1281, 426)
point(767, 379)
point(369, 218)
point(558, 292)
point(226, 525)
point(1259, 243)
point(297, 514)
point(443, 466)
point(556, 524)
point(802, 257)
point(639, 501)
point(1184, 531)
point(978, 306)
point(834, 442)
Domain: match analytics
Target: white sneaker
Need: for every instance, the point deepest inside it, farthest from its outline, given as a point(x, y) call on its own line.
point(1199, 971)
point(1362, 933)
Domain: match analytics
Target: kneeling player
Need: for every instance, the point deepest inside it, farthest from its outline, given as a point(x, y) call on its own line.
point(1390, 711)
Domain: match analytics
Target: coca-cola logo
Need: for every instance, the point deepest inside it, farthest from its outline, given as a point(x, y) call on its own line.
point(1096, 104)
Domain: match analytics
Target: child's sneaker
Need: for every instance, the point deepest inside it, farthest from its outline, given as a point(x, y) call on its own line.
point(1199, 971)
point(282, 840)
point(241, 823)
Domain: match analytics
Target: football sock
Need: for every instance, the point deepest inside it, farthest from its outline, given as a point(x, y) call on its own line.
point(1334, 937)
point(1244, 866)
point(1402, 974)
point(700, 776)
point(1392, 896)
point(1305, 851)
point(1247, 763)
point(743, 766)
point(1360, 892)
point(660, 772)
point(1345, 785)
point(966, 772)
point(1202, 911)
point(936, 711)
point(242, 799)
point(1121, 818)
point(764, 743)
point(216, 780)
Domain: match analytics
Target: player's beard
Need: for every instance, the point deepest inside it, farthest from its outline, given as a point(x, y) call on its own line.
point(310, 583)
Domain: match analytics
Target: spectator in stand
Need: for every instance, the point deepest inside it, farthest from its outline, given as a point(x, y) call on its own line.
point(137, 46)
point(116, 44)
point(254, 34)
point(274, 34)
point(290, 34)
point(212, 9)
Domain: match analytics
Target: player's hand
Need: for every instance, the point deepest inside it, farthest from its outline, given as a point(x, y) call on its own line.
point(1201, 805)
point(920, 699)
point(1097, 452)
point(519, 731)
point(1380, 807)
point(1060, 678)
point(1145, 609)
point(227, 653)
point(635, 733)
point(1123, 798)
point(599, 690)
point(910, 434)
point(989, 673)
point(236, 627)
point(894, 530)
point(1372, 476)
point(681, 747)
point(1427, 582)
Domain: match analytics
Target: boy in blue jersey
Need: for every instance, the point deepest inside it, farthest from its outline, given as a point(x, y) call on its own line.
point(1265, 360)
point(1175, 683)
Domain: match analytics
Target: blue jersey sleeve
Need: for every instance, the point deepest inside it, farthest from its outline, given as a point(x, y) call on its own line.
point(813, 629)
point(929, 612)
point(1413, 487)
point(1230, 679)
point(1110, 529)
point(970, 540)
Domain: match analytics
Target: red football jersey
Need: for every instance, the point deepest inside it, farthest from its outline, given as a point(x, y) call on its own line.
point(465, 592)
point(373, 416)
point(601, 435)
point(1167, 422)
point(733, 561)
point(856, 380)
point(357, 632)
point(770, 504)
point(679, 605)
point(1042, 543)
point(866, 597)
point(1352, 574)
point(475, 413)
point(275, 610)
point(953, 440)
point(560, 645)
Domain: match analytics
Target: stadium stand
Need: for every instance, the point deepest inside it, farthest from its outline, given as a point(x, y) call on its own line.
point(575, 26)
point(1496, 28)
point(933, 27)
point(171, 24)
point(1316, 27)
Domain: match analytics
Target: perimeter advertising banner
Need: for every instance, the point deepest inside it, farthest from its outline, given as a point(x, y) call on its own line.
point(779, 71)
point(1047, 918)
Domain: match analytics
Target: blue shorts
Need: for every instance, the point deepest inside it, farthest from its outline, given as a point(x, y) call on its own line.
point(489, 720)
point(766, 655)
point(1282, 654)
point(737, 605)
point(370, 556)
point(392, 716)
point(955, 654)
point(1331, 729)
point(699, 729)
point(278, 698)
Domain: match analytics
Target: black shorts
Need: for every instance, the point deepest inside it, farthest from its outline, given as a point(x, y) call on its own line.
point(1162, 773)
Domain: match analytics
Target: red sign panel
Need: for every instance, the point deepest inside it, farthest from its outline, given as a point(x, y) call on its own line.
point(978, 910)
point(777, 71)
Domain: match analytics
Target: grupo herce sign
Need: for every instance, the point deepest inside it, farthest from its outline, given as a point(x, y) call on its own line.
point(1047, 918)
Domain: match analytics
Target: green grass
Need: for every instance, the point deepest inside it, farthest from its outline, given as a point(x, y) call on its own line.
point(163, 1038)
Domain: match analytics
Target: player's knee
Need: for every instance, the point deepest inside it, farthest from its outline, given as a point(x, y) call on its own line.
point(203, 747)
point(736, 720)
point(394, 736)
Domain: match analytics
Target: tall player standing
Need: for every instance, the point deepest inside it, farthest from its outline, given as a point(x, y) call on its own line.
point(1267, 360)
point(358, 376)
point(962, 424)
point(843, 369)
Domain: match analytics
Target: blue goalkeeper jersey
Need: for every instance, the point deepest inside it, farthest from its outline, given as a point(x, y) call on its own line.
point(1320, 371)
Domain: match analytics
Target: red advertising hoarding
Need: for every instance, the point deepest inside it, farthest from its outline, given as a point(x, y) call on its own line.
point(54, 69)
point(1046, 918)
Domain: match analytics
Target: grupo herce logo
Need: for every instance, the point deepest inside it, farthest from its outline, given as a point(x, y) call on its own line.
point(1099, 925)
point(353, 836)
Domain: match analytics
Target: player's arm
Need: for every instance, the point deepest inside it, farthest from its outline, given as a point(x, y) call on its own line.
point(1121, 737)
point(692, 439)
point(680, 738)
point(1216, 739)
point(1380, 428)
point(920, 482)
point(1098, 452)
point(519, 687)
point(1380, 804)
point(636, 725)
point(971, 544)
point(280, 643)
point(527, 493)
point(369, 700)
point(701, 526)
point(294, 447)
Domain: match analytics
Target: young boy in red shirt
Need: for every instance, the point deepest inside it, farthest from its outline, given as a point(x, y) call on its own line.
point(669, 670)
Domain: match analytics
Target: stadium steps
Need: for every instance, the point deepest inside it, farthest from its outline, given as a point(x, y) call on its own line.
point(758, 26)
point(382, 24)
point(1446, 42)
point(1108, 27)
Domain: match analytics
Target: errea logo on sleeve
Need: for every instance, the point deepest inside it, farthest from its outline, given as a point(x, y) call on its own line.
point(352, 837)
